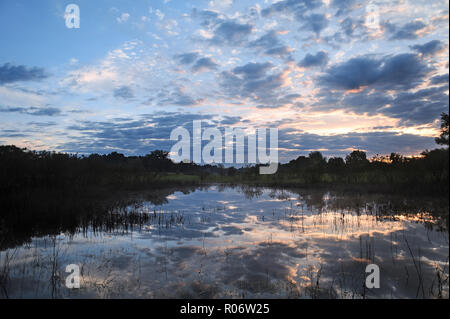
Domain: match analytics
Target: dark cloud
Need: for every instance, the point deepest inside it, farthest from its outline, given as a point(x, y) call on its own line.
point(41, 124)
point(201, 64)
point(230, 120)
point(315, 22)
point(133, 136)
point(283, 51)
point(124, 92)
point(187, 58)
point(279, 101)
point(408, 31)
point(347, 26)
point(343, 6)
point(231, 33)
point(429, 48)
point(251, 80)
point(384, 86)
point(178, 97)
point(393, 72)
point(13, 134)
point(269, 44)
point(255, 82)
point(11, 73)
point(267, 41)
point(204, 64)
point(298, 8)
point(419, 107)
point(32, 110)
point(319, 59)
point(253, 70)
point(209, 18)
point(439, 79)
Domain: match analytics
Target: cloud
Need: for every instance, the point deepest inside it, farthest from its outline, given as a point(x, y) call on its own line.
point(369, 85)
point(204, 64)
point(419, 107)
point(187, 58)
point(292, 7)
point(319, 59)
point(252, 84)
point(32, 110)
point(132, 136)
point(231, 33)
point(11, 73)
point(439, 79)
point(348, 26)
point(315, 22)
point(343, 6)
point(123, 17)
point(253, 70)
point(299, 9)
point(209, 18)
point(42, 124)
point(124, 92)
point(429, 48)
point(254, 81)
point(178, 97)
point(230, 120)
point(408, 31)
point(269, 44)
point(266, 41)
point(393, 72)
point(159, 14)
point(282, 51)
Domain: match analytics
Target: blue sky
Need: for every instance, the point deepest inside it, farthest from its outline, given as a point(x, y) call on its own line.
point(135, 70)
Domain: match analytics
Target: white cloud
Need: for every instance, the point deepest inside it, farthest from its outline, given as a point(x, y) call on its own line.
point(123, 17)
point(159, 14)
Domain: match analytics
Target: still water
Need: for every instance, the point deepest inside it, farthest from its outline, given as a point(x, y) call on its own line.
point(225, 242)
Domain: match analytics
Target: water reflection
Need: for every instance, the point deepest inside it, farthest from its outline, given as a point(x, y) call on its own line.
point(242, 242)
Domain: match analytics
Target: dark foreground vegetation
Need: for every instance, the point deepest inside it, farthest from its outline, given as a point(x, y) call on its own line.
point(49, 189)
point(29, 170)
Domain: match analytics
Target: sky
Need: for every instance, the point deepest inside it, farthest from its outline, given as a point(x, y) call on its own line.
point(331, 75)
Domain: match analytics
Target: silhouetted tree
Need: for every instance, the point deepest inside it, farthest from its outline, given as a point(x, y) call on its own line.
point(443, 138)
point(158, 161)
point(356, 159)
point(396, 158)
point(336, 163)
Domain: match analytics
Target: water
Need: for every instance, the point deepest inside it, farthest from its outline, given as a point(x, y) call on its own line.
point(223, 242)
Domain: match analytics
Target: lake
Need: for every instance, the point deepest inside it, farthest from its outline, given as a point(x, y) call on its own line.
point(241, 242)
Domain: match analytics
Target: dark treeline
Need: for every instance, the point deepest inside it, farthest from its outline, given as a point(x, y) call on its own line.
point(22, 169)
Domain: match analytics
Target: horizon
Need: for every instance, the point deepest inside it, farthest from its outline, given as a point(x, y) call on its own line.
point(374, 158)
point(318, 71)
